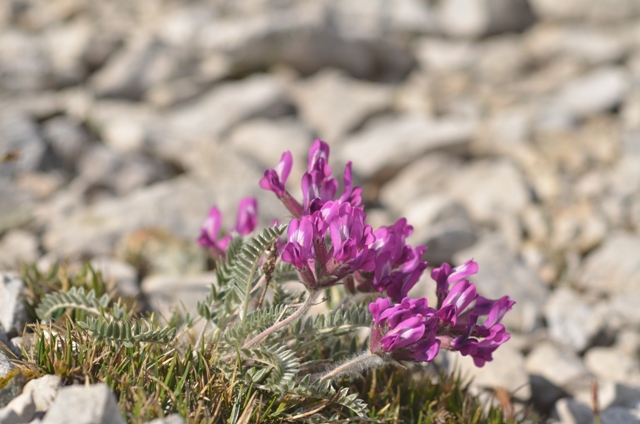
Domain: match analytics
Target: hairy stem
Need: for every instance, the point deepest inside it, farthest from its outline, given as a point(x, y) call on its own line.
point(357, 364)
point(313, 295)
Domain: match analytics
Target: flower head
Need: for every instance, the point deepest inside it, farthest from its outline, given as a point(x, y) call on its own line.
point(398, 266)
point(246, 222)
point(329, 244)
point(406, 331)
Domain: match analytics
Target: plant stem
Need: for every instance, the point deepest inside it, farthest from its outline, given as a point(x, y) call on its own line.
point(313, 295)
point(359, 363)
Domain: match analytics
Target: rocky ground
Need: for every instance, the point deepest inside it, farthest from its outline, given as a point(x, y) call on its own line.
point(504, 130)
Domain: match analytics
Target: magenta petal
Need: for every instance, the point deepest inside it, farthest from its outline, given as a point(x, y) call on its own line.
point(247, 216)
point(283, 168)
point(463, 271)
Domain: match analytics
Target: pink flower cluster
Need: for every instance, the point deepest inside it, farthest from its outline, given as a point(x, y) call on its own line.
point(329, 242)
point(463, 321)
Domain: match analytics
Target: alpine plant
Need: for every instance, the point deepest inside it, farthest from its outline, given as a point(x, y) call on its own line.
point(328, 242)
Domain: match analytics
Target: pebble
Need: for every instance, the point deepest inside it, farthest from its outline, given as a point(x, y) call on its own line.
point(13, 315)
point(94, 404)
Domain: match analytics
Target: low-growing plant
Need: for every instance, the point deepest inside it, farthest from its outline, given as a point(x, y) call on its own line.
point(260, 357)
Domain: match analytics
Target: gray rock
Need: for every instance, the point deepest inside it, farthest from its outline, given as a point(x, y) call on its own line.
point(104, 168)
point(614, 267)
point(572, 321)
point(96, 229)
point(570, 411)
point(23, 406)
point(468, 18)
point(44, 390)
point(168, 293)
point(171, 419)
point(67, 138)
point(426, 175)
point(19, 133)
point(4, 339)
point(621, 311)
point(620, 415)
point(18, 246)
point(592, 44)
point(598, 91)
point(334, 104)
point(490, 189)
point(67, 46)
point(93, 404)
point(136, 68)
point(124, 126)
point(5, 365)
point(25, 65)
point(442, 224)
point(8, 416)
point(445, 55)
point(580, 10)
point(389, 143)
point(230, 103)
point(506, 370)
point(561, 368)
point(13, 315)
point(13, 387)
point(502, 273)
point(612, 363)
point(611, 393)
point(266, 139)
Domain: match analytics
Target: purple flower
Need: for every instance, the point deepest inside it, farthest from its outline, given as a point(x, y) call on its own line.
point(469, 323)
point(275, 179)
point(246, 221)
point(406, 331)
point(318, 186)
point(465, 322)
point(445, 276)
point(330, 244)
point(398, 266)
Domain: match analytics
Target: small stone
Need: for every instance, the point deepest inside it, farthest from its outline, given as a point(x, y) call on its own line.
point(171, 419)
point(136, 68)
point(559, 367)
point(97, 228)
point(231, 103)
point(442, 224)
point(570, 411)
point(614, 267)
point(12, 388)
point(474, 18)
point(611, 393)
point(490, 189)
point(18, 246)
point(443, 55)
point(93, 404)
point(5, 365)
point(620, 415)
point(335, 104)
point(44, 390)
point(125, 127)
point(572, 320)
point(586, 10)
point(67, 138)
point(389, 143)
point(611, 363)
point(13, 315)
point(598, 91)
point(23, 406)
point(426, 175)
point(506, 371)
point(18, 132)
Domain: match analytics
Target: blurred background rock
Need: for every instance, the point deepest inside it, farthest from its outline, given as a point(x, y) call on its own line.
point(505, 130)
